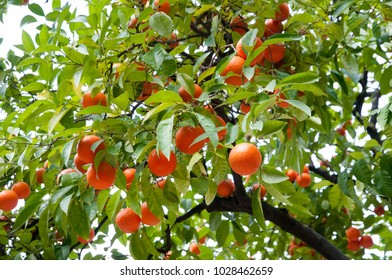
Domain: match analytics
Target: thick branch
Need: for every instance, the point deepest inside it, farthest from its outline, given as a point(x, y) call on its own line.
point(333, 178)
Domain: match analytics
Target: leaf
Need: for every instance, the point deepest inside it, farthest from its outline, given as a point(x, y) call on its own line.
point(58, 115)
point(272, 127)
point(383, 178)
point(80, 222)
point(112, 204)
point(36, 9)
point(308, 87)
point(299, 78)
point(222, 232)
point(271, 175)
point(162, 24)
point(257, 209)
point(66, 152)
point(136, 247)
point(300, 105)
point(342, 7)
point(157, 110)
point(186, 82)
point(280, 38)
point(65, 203)
point(25, 214)
point(165, 135)
point(96, 109)
point(385, 81)
point(276, 194)
point(43, 226)
point(211, 192)
point(36, 86)
point(28, 43)
point(199, 62)
point(362, 171)
point(27, 19)
point(209, 128)
point(338, 199)
point(164, 96)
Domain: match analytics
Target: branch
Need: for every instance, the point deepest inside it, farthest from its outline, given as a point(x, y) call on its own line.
point(333, 178)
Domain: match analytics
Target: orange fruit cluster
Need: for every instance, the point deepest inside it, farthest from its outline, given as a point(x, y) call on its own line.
point(355, 240)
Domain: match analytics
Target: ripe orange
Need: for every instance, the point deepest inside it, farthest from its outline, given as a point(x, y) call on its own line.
point(159, 165)
point(239, 25)
point(79, 164)
point(127, 220)
point(99, 99)
point(222, 133)
point(263, 190)
point(161, 183)
point(63, 172)
point(353, 245)
point(84, 149)
point(202, 239)
point(280, 97)
point(164, 6)
point(194, 248)
point(105, 177)
point(22, 189)
point(209, 108)
point(187, 97)
point(132, 22)
point(272, 27)
point(366, 241)
point(353, 234)
point(341, 131)
point(225, 188)
point(185, 136)
point(40, 173)
point(379, 210)
point(84, 241)
point(129, 174)
point(274, 53)
point(283, 13)
point(8, 200)
point(245, 108)
point(292, 248)
point(305, 169)
point(148, 218)
point(245, 159)
point(241, 51)
point(235, 66)
point(292, 174)
point(148, 89)
point(304, 180)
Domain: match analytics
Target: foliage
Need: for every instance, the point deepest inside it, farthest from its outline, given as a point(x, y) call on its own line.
point(336, 64)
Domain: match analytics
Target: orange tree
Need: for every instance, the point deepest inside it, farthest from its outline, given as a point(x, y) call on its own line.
point(92, 103)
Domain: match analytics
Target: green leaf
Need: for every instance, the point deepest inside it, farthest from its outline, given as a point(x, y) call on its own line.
point(300, 105)
point(338, 199)
point(308, 87)
point(43, 226)
point(80, 222)
point(272, 127)
point(36, 9)
point(165, 135)
point(158, 109)
point(383, 178)
point(96, 109)
point(162, 24)
point(25, 214)
point(136, 247)
point(66, 152)
point(385, 81)
point(342, 7)
point(164, 96)
point(299, 78)
point(222, 232)
point(211, 192)
point(276, 194)
point(257, 209)
point(28, 43)
point(65, 203)
point(36, 86)
point(112, 204)
point(186, 82)
point(280, 38)
point(271, 175)
point(27, 19)
point(209, 128)
point(199, 62)
point(362, 171)
point(102, 199)
point(58, 115)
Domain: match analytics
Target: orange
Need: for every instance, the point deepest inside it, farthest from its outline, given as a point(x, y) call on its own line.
point(241, 51)
point(305, 169)
point(84, 241)
point(263, 190)
point(239, 25)
point(292, 174)
point(235, 66)
point(304, 180)
point(148, 218)
point(105, 177)
point(162, 6)
point(274, 53)
point(40, 173)
point(283, 13)
point(292, 249)
point(222, 133)
point(245, 159)
point(148, 89)
point(65, 171)
point(245, 108)
point(209, 108)
point(85, 151)
point(8, 200)
point(202, 239)
point(194, 248)
point(129, 174)
point(379, 210)
point(79, 164)
point(353, 245)
point(127, 220)
point(161, 183)
point(353, 234)
point(341, 131)
point(22, 189)
point(132, 22)
point(185, 136)
point(225, 188)
point(187, 97)
point(99, 99)
point(159, 165)
point(272, 27)
point(366, 241)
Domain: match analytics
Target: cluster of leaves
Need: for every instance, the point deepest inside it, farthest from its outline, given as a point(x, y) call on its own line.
point(334, 54)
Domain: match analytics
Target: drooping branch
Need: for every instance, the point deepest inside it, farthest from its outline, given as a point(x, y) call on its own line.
point(333, 178)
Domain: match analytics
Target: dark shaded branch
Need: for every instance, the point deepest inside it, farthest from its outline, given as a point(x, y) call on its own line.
point(333, 178)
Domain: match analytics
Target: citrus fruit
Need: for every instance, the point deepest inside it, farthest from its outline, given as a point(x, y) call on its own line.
point(103, 178)
point(22, 189)
point(242, 52)
point(235, 67)
point(148, 218)
point(99, 99)
point(8, 200)
point(129, 174)
point(187, 97)
point(353, 234)
point(85, 150)
point(159, 165)
point(304, 180)
point(86, 241)
point(185, 136)
point(127, 220)
point(225, 188)
point(245, 159)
